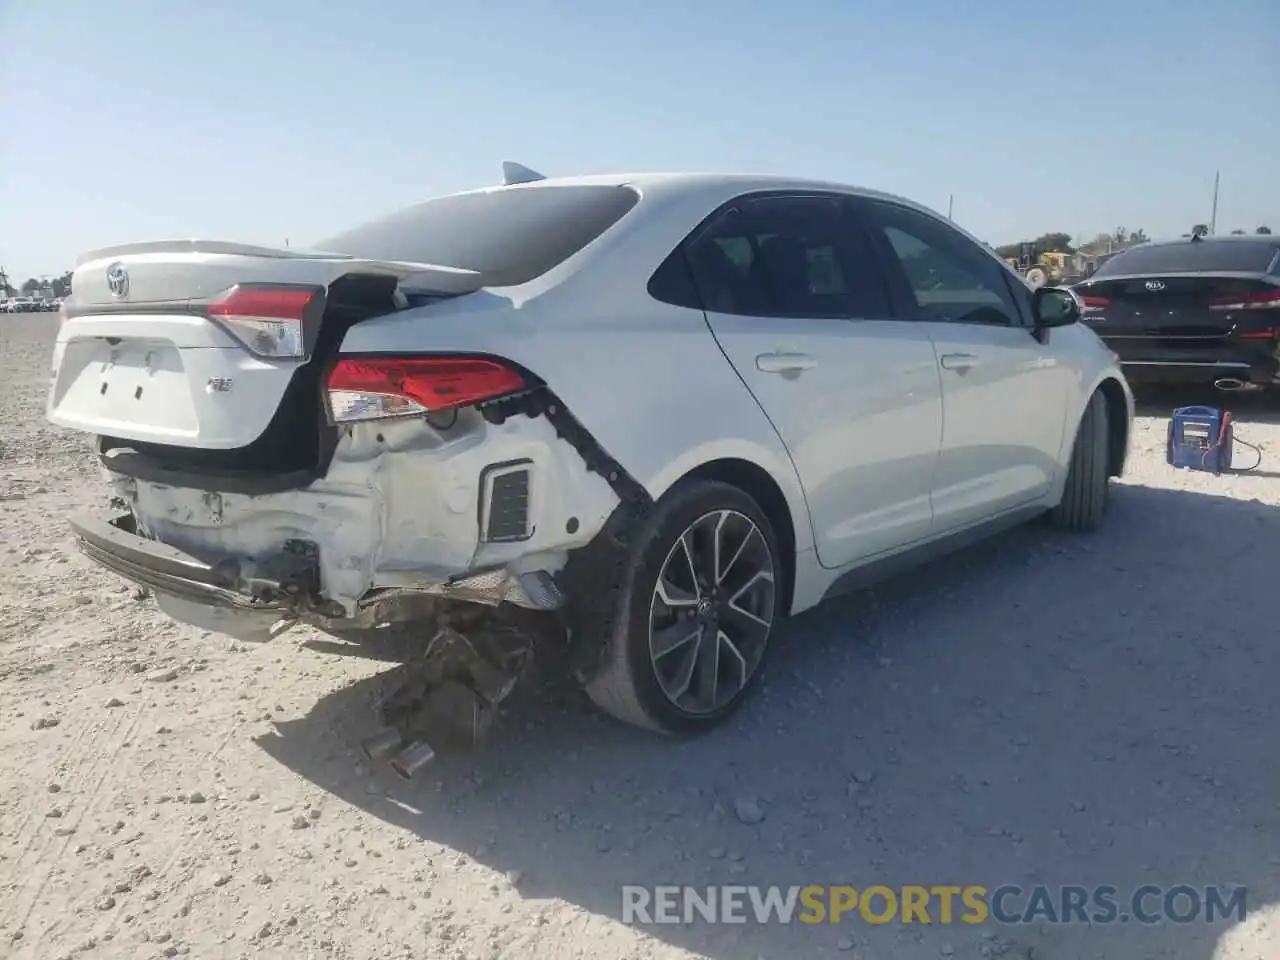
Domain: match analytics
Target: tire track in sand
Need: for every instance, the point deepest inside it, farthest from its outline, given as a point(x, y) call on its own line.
point(89, 763)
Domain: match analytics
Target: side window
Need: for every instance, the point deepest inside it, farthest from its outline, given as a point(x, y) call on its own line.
point(786, 257)
point(949, 276)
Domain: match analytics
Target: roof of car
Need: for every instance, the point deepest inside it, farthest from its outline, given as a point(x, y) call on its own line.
point(1218, 238)
point(718, 188)
point(695, 178)
point(711, 183)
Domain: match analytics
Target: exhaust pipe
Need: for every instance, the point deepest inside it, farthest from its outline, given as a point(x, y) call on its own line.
point(376, 748)
point(1232, 385)
point(413, 758)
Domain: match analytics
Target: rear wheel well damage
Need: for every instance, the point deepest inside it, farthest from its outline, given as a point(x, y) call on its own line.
point(1118, 422)
point(451, 694)
point(596, 577)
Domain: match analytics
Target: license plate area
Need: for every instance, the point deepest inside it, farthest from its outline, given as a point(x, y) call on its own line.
point(110, 385)
point(133, 376)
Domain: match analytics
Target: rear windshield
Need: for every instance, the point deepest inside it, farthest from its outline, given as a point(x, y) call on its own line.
point(509, 235)
point(1232, 256)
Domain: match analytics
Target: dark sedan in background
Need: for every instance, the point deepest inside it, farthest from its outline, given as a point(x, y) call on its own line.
point(1197, 311)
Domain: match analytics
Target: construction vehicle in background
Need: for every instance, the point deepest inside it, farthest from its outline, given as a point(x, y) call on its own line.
point(1038, 266)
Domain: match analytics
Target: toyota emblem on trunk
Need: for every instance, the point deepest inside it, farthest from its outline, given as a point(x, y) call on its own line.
point(117, 280)
point(1155, 285)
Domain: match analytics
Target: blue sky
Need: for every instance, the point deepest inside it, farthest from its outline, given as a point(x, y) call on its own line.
point(269, 119)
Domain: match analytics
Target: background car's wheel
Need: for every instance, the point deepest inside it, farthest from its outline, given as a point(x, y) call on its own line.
point(698, 611)
point(1084, 499)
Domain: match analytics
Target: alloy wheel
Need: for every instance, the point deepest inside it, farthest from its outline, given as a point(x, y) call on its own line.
point(712, 611)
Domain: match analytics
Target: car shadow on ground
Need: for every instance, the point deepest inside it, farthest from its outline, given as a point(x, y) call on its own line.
point(1044, 708)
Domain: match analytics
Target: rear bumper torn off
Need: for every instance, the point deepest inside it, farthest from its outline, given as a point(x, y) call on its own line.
point(116, 545)
point(406, 516)
point(291, 592)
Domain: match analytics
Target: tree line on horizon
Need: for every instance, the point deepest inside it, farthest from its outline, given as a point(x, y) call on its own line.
point(1117, 239)
point(32, 286)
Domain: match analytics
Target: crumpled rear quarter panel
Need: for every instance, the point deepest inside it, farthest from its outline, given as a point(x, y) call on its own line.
point(399, 507)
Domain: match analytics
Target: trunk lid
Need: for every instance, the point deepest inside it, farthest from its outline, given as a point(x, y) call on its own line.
point(1180, 309)
point(146, 351)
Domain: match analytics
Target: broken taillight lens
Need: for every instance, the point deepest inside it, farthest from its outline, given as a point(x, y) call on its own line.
point(268, 319)
point(377, 388)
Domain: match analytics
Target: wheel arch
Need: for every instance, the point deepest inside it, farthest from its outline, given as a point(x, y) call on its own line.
point(1117, 425)
point(757, 483)
point(1115, 395)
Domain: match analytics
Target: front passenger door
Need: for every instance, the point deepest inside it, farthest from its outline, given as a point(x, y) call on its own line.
point(796, 298)
point(1004, 394)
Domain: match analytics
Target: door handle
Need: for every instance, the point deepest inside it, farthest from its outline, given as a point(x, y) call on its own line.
point(960, 362)
point(785, 362)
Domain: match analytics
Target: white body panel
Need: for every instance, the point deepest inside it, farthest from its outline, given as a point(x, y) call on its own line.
point(659, 358)
point(146, 377)
point(1006, 398)
point(875, 448)
point(859, 407)
point(154, 376)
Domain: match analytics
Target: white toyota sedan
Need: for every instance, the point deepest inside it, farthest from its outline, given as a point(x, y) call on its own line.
point(642, 417)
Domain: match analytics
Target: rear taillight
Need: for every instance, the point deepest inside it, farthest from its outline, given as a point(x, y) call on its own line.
point(271, 320)
point(1094, 304)
point(1257, 300)
point(376, 388)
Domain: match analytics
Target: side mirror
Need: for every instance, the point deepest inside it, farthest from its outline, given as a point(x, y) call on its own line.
point(1054, 307)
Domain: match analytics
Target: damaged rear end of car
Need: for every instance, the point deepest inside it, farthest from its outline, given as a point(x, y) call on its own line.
point(262, 476)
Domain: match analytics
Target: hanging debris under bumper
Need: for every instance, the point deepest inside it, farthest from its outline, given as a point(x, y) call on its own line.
point(116, 545)
point(449, 698)
point(361, 547)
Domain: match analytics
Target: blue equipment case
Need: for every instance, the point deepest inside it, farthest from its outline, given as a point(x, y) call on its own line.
point(1200, 438)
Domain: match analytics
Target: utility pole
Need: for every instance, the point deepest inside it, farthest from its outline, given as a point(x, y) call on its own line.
point(951, 199)
point(1213, 217)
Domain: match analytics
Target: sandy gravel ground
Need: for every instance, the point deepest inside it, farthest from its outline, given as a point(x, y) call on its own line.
point(1042, 709)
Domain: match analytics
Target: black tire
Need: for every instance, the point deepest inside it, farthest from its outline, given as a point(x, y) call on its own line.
point(627, 686)
point(1084, 498)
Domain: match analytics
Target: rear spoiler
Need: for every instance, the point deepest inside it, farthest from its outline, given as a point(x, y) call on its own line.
point(203, 246)
point(433, 276)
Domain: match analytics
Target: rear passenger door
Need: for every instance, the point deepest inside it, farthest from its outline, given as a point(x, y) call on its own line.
point(1004, 394)
point(795, 296)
